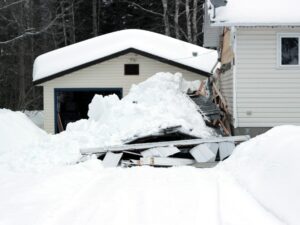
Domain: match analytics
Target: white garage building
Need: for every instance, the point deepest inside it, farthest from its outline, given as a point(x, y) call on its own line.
point(108, 64)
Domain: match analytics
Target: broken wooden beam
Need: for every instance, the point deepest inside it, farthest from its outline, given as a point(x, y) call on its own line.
point(181, 143)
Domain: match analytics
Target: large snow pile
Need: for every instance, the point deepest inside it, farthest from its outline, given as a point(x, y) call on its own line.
point(268, 167)
point(257, 12)
point(155, 104)
point(149, 42)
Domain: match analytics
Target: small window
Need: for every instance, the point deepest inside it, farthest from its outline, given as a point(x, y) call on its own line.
point(131, 69)
point(289, 50)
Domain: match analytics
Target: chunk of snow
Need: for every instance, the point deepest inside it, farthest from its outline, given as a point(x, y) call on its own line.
point(92, 49)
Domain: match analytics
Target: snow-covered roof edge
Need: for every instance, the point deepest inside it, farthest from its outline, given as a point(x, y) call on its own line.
point(120, 53)
point(217, 22)
point(157, 46)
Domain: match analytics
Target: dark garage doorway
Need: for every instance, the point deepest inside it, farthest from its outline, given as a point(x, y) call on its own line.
point(71, 104)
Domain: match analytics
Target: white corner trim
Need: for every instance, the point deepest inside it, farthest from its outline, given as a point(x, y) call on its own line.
point(235, 114)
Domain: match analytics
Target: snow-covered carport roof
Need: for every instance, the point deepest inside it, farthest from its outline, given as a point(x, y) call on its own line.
point(254, 12)
point(96, 50)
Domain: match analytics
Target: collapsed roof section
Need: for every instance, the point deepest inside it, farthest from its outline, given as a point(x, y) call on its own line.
point(95, 50)
point(254, 12)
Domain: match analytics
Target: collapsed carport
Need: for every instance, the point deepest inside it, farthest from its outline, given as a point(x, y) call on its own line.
point(71, 104)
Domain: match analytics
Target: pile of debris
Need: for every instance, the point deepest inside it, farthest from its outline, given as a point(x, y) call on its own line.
point(163, 121)
point(148, 150)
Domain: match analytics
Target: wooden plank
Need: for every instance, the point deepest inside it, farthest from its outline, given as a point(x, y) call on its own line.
point(226, 149)
point(111, 159)
point(159, 161)
point(160, 152)
point(181, 143)
point(202, 153)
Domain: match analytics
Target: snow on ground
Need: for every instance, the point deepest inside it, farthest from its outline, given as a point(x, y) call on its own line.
point(268, 167)
point(257, 12)
point(41, 185)
point(156, 44)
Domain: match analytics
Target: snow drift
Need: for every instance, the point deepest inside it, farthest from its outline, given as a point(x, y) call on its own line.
point(268, 167)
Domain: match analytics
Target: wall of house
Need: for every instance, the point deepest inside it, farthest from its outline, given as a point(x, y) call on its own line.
point(109, 74)
point(266, 95)
point(211, 35)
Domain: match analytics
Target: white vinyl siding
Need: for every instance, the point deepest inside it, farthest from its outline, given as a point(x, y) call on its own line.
point(226, 87)
point(108, 74)
point(266, 95)
point(211, 35)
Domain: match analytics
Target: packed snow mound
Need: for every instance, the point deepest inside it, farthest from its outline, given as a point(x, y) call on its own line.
point(146, 41)
point(17, 131)
point(268, 167)
point(24, 146)
point(256, 12)
point(155, 104)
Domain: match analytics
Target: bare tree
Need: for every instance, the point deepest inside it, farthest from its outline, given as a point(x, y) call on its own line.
point(188, 20)
point(194, 21)
point(176, 19)
point(166, 17)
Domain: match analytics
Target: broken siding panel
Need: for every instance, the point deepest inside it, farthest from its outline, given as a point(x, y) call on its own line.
point(266, 96)
point(108, 74)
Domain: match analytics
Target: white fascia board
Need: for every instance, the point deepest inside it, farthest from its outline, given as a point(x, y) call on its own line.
point(235, 114)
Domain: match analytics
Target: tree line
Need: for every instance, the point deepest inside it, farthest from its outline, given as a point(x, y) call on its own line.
point(29, 28)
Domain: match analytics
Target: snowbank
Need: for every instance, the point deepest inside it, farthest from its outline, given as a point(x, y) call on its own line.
point(92, 49)
point(257, 12)
point(24, 146)
point(157, 103)
point(17, 131)
point(268, 167)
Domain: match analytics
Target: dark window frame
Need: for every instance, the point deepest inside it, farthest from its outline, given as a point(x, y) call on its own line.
point(280, 52)
point(131, 69)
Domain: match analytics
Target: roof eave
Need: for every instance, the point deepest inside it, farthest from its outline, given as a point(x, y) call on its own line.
point(120, 53)
point(245, 24)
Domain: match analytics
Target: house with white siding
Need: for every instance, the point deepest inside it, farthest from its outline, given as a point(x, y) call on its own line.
point(259, 54)
point(110, 64)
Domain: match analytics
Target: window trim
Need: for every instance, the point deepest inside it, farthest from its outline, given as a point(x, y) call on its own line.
point(287, 35)
point(135, 64)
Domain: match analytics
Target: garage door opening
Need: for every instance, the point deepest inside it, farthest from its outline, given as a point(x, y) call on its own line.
point(72, 104)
